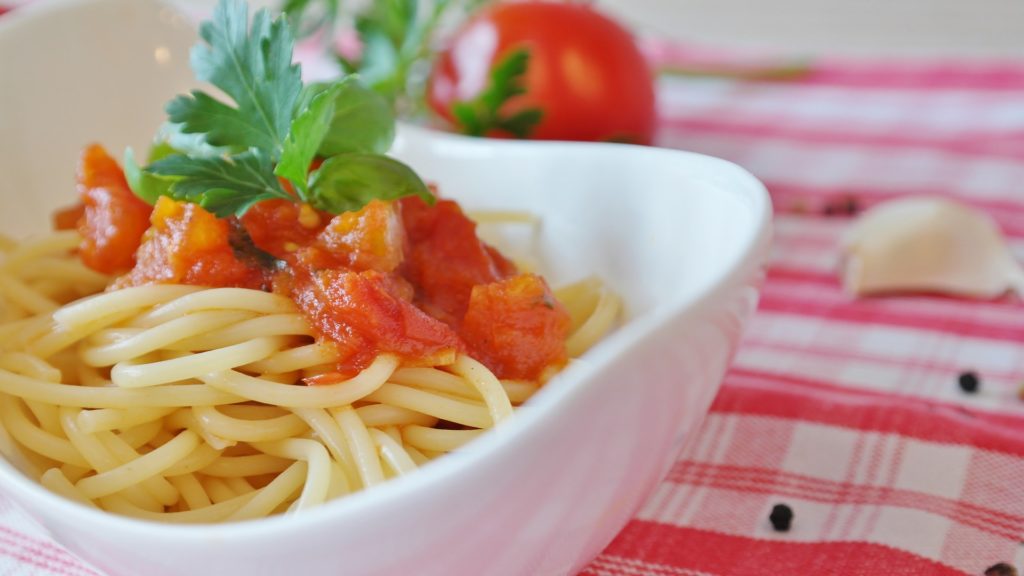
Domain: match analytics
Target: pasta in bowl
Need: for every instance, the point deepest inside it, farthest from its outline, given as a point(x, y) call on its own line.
point(679, 237)
point(189, 403)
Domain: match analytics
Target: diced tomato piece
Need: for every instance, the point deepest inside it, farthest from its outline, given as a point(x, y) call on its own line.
point(446, 259)
point(280, 227)
point(68, 218)
point(516, 327)
point(365, 314)
point(114, 218)
point(368, 239)
point(188, 245)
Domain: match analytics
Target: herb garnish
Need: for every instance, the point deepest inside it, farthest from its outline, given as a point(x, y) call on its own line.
point(275, 129)
point(398, 40)
point(479, 116)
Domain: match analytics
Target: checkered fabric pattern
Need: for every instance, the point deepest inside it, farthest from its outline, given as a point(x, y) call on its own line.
point(846, 410)
point(849, 411)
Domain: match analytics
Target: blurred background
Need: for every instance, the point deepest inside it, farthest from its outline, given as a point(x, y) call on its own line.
point(975, 28)
point(869, 27)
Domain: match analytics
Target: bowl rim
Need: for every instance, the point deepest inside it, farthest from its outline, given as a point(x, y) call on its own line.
point(747, 260)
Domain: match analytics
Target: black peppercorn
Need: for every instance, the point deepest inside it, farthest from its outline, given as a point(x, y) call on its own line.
point(969, 382)
point(844, 206)
point(781, 517)
point(1001, 569)
point(852, 206)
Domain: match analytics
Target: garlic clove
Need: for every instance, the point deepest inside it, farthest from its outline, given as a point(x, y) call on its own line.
point(928, 244)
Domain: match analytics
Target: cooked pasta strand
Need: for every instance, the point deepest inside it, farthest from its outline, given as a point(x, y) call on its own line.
point(248, 430)
point(596, 326)
point(186, 404)
point(274, 494)
point(339, 394)
point(437, 440)
point(141, 468)
point(360, 444)
point(436, 405)
point(318, 471)
point(490, 389)
point(55, 480)
point(131, 375)
point(392, 453)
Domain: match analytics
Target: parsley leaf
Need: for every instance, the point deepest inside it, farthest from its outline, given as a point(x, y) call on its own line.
point(307, 131)
point(227, 158)
point(224, 185)
point(479, 116)
point(252, 66)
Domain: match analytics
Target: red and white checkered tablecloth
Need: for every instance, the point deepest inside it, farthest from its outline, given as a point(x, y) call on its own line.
point(849, 411)
point(846, 410)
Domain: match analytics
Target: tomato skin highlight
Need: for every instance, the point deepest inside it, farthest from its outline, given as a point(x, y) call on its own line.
point(114, 218)
point(585, 71)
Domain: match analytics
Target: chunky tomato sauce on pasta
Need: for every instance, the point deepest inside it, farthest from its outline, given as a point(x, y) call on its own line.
point(403, 277)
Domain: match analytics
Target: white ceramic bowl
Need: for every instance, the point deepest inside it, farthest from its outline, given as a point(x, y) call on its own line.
point(682, 237)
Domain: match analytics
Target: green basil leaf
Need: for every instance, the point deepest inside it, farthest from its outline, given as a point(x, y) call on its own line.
point(348, 182)
point(149, 187)
point(160, 150)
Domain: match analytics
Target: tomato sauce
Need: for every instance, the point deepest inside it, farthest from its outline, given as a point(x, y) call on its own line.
point(365, 313)
point(446, 259)
point(516, 327)
point(112, 219)
point(405, 278)
point(188, 245)
point(280, 227)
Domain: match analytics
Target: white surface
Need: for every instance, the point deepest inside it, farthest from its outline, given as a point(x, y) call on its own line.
point(798, 28)
point(955, 28)
point(958, 28)
point(682, 237)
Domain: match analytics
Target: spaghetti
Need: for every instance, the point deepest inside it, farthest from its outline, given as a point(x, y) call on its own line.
point(187, 404)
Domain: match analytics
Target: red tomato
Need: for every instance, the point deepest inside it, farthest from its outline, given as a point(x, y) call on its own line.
point(585, 72)
point(446, 259)
point(188, 245)
point(69, 217)
point(366, 313)
point(279, 227)
point(113, 219)
point(517, 327)
point(371, 238)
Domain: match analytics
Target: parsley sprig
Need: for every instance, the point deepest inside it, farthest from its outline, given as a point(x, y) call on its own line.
point(272, 130)
point(399, 40)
